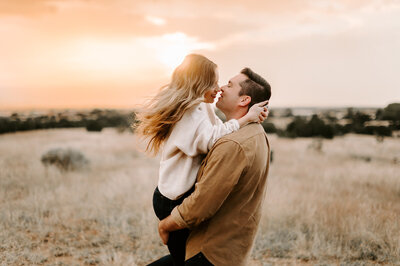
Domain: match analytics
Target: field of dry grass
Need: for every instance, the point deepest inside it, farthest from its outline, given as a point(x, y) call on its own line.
point(337, 205)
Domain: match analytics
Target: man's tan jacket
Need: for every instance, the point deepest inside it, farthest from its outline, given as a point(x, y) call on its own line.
point(225, 209)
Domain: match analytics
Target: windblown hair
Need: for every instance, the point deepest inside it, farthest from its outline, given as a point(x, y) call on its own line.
point(190, 80)
point(254, 86)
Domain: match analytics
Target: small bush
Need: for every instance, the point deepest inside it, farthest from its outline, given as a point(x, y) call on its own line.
point(269, 127)
point(300, 127)
point(378, 130)
point(94, 125)
point(64, 159)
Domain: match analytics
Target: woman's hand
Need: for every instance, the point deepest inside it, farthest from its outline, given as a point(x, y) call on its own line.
point(257, 113)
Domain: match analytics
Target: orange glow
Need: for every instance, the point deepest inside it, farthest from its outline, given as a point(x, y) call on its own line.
point(98, 53)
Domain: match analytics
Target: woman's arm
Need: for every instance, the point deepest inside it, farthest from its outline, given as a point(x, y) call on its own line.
point(194, 134)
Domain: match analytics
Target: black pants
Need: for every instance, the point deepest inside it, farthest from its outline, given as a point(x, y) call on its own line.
point(197, 260)
point(177, 239)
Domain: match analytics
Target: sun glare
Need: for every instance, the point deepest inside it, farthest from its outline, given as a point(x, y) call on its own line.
point(174, 51)
point(137, 56)
point(172, 48)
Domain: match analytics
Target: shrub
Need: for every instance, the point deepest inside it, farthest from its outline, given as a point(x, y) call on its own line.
point(269, 127)
point(9, 124)
point(4, 125)
point(391, 112)
point(64, 159)
point(94, 125)
point(299, 127)
point(287, 113)
point(378, 130)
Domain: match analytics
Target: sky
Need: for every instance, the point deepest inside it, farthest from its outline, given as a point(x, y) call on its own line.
point(117, 54)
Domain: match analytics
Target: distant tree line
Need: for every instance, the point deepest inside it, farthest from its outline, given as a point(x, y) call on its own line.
point(95, 120)
point(321, 125)
point(327, 126)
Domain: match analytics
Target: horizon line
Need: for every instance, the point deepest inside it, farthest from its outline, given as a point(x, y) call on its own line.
point(41, 108)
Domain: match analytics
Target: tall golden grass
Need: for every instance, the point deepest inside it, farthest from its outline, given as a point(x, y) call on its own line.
point(337, 205)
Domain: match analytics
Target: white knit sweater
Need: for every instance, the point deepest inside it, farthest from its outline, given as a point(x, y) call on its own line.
point(191, 138)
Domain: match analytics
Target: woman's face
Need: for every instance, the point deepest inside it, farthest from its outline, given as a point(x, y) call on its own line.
point(210, 94)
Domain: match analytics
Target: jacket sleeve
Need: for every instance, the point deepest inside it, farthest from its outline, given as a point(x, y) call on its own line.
point(222, 170)
point(196, 135)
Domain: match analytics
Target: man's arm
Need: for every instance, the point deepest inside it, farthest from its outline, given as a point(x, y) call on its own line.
point(223, 168)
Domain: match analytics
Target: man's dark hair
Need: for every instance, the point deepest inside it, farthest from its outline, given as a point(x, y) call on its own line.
point(254, 86)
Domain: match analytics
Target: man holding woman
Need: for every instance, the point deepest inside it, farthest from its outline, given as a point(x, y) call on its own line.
point(223, 211)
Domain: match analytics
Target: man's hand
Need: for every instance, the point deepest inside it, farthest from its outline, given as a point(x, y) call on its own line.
point(164, 234)
point(166, 226)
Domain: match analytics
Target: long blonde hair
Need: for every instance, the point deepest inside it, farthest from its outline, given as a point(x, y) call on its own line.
point(190, 80)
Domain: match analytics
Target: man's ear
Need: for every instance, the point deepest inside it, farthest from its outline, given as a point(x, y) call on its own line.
point(244, 100)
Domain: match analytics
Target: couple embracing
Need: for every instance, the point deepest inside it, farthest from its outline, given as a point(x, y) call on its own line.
point(212, 177)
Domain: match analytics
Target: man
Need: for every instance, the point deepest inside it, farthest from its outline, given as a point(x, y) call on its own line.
point(224, 210)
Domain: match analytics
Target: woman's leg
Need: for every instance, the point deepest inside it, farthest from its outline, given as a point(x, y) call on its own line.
point(177, 240)
point(161, 205)
point(164, 261)
point(198, 260)
point(177, 246)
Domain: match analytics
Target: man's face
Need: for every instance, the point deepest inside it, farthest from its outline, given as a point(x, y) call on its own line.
point(230, 98)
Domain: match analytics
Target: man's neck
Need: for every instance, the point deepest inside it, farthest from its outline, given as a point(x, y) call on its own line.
point(237, 114)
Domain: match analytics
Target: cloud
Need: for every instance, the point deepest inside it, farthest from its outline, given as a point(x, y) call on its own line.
point(156, 20)
point(212, 21)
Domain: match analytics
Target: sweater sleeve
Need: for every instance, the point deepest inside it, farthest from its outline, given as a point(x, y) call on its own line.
point(195, 134)
point(221, 173)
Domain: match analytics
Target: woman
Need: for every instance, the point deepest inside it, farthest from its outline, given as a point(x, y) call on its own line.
point(181, 120)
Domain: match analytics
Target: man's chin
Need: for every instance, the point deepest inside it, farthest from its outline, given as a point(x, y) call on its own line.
point(218, 104)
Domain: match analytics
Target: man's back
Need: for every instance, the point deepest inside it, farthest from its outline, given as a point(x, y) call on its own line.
point(225, 209)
